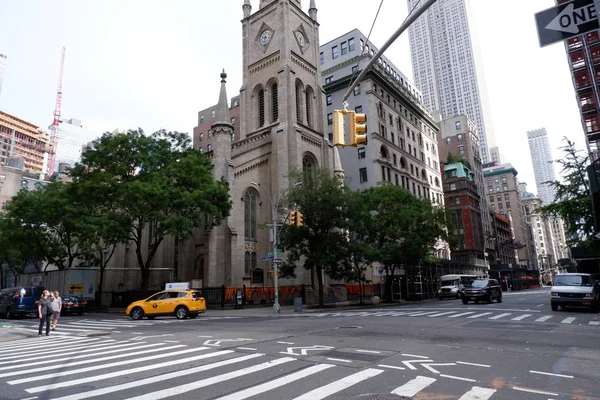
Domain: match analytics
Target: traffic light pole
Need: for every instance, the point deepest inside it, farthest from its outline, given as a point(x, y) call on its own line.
point(411, 18)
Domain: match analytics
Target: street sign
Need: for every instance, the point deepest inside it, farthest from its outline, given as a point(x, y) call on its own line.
point(566, 20)
point(270, 254)
point(75, 287)
point(268, 258)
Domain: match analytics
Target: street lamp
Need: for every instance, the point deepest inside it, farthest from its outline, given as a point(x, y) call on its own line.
point(274, 207)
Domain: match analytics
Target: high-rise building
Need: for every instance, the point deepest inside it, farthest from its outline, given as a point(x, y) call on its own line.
point(3, 58)
point(446, 67)
point(496, 156)
point(19, 138)
point(543, 164)
point(73, 136)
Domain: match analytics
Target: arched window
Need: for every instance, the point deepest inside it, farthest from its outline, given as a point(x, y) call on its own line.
point(261, 108)
point(249, 262)
point(309, 95)
point(383, 152)
point(250, 214)
point(209, 147)
point(299, 105)
point(309, 166)
point(275, 102)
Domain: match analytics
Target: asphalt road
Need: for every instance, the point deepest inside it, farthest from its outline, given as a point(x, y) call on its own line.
point(518, 349)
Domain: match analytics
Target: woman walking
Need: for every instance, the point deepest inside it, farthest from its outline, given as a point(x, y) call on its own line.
point(45, 312)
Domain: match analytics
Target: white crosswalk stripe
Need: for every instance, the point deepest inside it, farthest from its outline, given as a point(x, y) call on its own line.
point(568, 320)
point(544, 318)
point(521, 317)
point(86, 368)
point(500, 316)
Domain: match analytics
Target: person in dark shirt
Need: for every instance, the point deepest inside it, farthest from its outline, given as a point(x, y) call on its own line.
point(45, 312)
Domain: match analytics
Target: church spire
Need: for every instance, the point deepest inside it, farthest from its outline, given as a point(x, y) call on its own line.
point(247, 7)
point(312, 11)
point(222, 114)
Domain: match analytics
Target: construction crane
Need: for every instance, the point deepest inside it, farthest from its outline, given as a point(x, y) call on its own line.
point(54, 128)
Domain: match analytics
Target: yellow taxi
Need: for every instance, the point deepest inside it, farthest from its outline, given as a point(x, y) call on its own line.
point(181, 303)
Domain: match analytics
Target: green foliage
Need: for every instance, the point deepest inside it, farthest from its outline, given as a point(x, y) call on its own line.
point(159, 182)
point(573, 203)
point(457, 158)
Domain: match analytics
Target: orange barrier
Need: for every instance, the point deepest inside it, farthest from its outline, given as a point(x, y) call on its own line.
point(367, 288)
point(262, 292)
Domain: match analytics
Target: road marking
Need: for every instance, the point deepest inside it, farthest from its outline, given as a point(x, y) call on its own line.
point(367, 351)
point(412, 355)
point(548, 373)
point(478, 393)
point(171, 341)
point(544, 318)
point(422, 313)
point(534, 391)
point(217, 342)
point(247, 348)
point(539, 305)
point(150, 367)
point(181, 389)
point(285, 342)
point(476, 365)
point(55, 344)
point(435, 371)
point(30, 398)
point(304, 350)
point(205, 336)
point(567, 320)
point(265, 387)
point(440, 314)
point(594, 322)
point(461, 314)
point(413, 386)
point(521, 317)
point(339, 359)
point(390, 366)
point(334, 387)
point(460, 379)
point(409, 363)
point(479, 315)
point(500, 316)
point(159, 378)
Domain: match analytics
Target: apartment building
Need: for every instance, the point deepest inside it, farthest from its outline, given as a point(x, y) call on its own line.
point(19, 138)
point(203, 137)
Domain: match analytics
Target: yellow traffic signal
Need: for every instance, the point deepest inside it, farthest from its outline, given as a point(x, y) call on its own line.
point(271, 274)
point(293, 217)
point(358, 129)
point(338, 128)
point(299, 218)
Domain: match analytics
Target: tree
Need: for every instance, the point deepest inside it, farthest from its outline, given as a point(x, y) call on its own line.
point(573, 203)
point(457, 158)
point(402, 228)
point(157, 184)
point(321, 241)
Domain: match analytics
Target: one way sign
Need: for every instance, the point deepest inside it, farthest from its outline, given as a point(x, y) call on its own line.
point(566, 20)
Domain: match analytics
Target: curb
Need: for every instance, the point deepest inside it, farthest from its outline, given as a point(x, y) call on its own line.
point(94, 333)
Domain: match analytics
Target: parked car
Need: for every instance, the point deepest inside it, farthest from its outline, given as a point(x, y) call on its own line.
point(19, 301)
point(181, 303)
point(482, 290)
point(73, 305)
point(575, 289)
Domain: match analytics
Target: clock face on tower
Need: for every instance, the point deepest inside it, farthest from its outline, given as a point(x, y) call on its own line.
point(300, 38)
point(265, 36)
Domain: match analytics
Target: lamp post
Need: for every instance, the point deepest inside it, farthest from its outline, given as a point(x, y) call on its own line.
point(274, 207)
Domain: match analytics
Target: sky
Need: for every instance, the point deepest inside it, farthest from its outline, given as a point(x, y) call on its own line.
point(155, 63)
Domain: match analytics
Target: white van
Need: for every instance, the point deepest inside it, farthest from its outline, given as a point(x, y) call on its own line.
point(575, 289)
point(451, 286)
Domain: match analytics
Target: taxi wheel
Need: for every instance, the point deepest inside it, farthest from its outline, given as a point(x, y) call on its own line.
point(181, 312)
point(137, 313)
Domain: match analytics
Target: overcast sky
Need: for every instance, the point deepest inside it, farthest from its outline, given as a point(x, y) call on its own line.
point(155, 63)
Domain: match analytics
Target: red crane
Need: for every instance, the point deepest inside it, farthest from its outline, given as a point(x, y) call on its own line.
point(54, 128)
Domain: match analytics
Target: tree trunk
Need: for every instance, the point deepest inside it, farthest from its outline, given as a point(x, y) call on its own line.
point(320, 280)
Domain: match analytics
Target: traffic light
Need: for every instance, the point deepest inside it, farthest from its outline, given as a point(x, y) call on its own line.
point(338, 128)
point(293, 217)
point(299, 218)
point(271, 274)
point(358, 128)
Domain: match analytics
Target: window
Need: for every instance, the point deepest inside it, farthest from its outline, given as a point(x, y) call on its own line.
point(507, 204)
point(344, 48)
point(261, 108)
point(491, 190)
point(401, 142)
point(503, 179)
point(448, 140)
point(499, 206)
point(505, 196)
point(496, 181)
point(334, 52)
point(275, 102)
point(453, 186)
point(308, 107)
point(489, 182)
point(358, 109)
point(330, 119)
point(363, 175)
point(209, 133)
point(435, 164)
point(461, 150)
point(351, 44)
point(395, 159)
point(232, 120)
point(209, 147)
point(499, 197)
point(250, 263)
point(459, 137)
point(362, 44)
point(298, 103)
point(505, 188)
point(491, 199)
point(329, 79)
point(362, 152)
point(200, 136)
point(357, 90)
point(497, 189)
point(457, 124)
point(322, 58)
point(212, 114)
point(202, 119)
point(329, 100)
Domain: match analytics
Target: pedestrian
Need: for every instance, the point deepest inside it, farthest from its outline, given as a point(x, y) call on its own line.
point(56, 307)
point(45, 312)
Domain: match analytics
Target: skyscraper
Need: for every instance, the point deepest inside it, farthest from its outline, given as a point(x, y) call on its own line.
point(444, 66)
point(543, 167)
point(3, 58)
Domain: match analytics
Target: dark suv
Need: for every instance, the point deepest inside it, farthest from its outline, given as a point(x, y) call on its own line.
point(482, 290)
point(19, 301)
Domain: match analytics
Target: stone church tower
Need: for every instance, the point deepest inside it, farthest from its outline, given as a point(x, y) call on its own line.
point(282, 129)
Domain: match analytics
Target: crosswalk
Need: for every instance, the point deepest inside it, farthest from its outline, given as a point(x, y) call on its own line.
point(74, 368)
point(500, 315)
point(80, 327)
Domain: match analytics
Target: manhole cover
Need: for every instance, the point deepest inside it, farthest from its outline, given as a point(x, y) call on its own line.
point(349, 327)
point(380, 397)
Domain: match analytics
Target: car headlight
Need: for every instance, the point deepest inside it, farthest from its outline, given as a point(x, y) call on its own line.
point(553, 294)
point(589, 295)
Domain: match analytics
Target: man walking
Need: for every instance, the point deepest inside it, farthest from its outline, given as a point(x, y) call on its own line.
point(45, 312)
point(56, 307)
